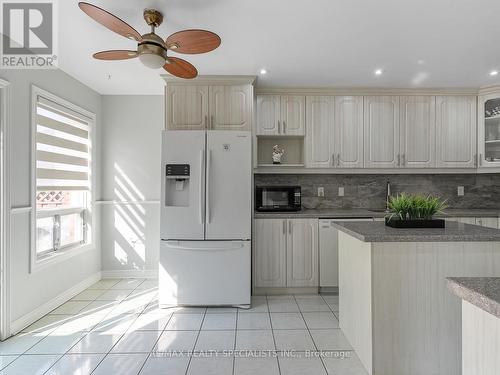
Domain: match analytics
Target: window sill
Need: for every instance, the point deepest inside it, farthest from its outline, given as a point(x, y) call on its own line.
point(56, 257)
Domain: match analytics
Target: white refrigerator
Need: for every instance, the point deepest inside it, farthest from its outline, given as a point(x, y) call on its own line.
point(205, 222)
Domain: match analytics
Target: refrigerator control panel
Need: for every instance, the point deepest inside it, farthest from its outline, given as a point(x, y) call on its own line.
point(178, 171)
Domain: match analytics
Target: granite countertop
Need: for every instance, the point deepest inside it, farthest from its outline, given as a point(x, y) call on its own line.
point(339, 213)
point(376, 231)
point(483, 292)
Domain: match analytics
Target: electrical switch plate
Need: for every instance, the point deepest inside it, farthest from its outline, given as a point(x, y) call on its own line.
point(321, 191)
point(460, 191)
point(341, 191)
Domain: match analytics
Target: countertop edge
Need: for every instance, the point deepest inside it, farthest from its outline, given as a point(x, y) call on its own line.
point(473, 296)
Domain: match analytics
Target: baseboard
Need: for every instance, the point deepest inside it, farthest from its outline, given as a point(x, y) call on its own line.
point(129, 274)
point(260, 291)
point(24, 321)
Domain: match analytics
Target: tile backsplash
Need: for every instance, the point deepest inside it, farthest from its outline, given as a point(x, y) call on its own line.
point(369, 191)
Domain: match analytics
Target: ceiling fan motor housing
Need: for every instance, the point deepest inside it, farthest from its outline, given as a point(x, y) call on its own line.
point(152, 51)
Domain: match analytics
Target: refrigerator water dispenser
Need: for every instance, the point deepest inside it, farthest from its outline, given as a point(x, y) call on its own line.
point(177, 185)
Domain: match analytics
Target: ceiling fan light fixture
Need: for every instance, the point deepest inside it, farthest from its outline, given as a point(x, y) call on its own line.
point(152, 60)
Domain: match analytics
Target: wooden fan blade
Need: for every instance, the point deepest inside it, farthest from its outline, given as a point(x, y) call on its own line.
point(180, 68)
point(115, 55)
point(110, 21)
point(193, 41)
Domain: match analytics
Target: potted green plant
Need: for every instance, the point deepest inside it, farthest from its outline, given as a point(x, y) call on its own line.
point(414, 211)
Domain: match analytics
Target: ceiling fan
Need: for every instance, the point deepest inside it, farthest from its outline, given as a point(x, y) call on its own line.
point(151, 49)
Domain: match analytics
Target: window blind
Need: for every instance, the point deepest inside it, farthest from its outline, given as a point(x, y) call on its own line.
point(62, 148)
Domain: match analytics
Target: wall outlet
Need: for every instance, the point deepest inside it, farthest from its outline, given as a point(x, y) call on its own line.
point(321, 191)
point(341, 191)
point(460, 191)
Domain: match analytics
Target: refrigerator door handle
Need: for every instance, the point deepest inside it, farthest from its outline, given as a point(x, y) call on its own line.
point(202, 200)
point(209, 161)
point(231, 246)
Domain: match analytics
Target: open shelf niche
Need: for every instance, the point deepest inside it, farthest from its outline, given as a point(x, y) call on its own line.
point(294, 151)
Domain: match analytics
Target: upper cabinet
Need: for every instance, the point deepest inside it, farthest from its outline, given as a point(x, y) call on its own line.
point(320, 139)
point(186, 107)
point(417, 130)
point(213, 107)
point(348, 131)
point(456, 131)
point(230, 107)
point(280, 115)
point(488, 130)
point(381, 131)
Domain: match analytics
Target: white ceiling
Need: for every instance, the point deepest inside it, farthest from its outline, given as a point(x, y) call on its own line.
point(314, 43)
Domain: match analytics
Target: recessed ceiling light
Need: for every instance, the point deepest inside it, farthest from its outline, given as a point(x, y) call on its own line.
point(494, 73)
point(378, 72)
point(263, 71)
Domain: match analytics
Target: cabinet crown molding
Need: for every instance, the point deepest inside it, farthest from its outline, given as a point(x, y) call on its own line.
point(365, 91)
point(211, 80)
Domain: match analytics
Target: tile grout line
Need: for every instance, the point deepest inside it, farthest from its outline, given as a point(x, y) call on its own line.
point(196, 341)
point(272, 331)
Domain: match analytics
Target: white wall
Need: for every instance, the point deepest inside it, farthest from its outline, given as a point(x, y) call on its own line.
point(31, 290)
point(131, 139)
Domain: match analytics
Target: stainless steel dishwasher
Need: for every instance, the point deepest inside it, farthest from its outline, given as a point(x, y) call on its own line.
point(329, 253)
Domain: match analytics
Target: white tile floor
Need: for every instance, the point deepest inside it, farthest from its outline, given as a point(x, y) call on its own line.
point(116, 327)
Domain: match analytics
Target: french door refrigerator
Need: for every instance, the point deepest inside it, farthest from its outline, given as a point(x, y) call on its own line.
point(205, 222)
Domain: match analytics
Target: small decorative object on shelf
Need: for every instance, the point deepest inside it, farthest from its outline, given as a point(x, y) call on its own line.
point(415, 211)
point(492, 112)
point(277, 154)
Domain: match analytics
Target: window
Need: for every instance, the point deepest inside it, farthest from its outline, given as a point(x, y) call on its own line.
point(62, 149)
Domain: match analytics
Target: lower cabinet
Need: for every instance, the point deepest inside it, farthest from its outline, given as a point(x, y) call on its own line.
point(490, 222)
point(286, 253)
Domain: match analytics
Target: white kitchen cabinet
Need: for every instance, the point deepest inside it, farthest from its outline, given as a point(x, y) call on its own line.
point(293, 114)
point(270, 252)
point(302, 253)
point(489, 222)
point(381, 132)
point(348, 131)
point(186, 107)
point(320, 138)
point(456, 131)
point(488, 130)
point(268, 115)
point(230, 107)
point(280, 115)
point(286, 253)
point(417, 131)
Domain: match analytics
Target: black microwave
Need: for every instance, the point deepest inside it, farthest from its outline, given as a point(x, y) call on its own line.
point(277, 198)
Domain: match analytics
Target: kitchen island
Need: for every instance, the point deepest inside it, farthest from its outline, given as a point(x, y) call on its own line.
point(395, 309)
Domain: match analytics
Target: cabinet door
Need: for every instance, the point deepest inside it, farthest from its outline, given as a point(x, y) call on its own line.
point(268, 115)
point(381, 131)
point(418, 131)
point(456, 131)
point(293, 114)
point(302, 253)
point(349, 131)
point(270, 253)
point(186, 107)
point(320, 136)
point(231, 107)
point(488, 130)
point(328, 254)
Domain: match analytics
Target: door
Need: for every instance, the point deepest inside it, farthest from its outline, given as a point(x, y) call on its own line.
point(270, 253)
point(349, 131)
point(488, 130)
point(320, 137)
point(293, 114)
point(381, 131)
point(204, 273)
point(302, 253)
point(186, 107)
point(182, 203)
point(456, 131)
point(418, 131)
point(229, 185)
point(268, 115)
point(231, 107)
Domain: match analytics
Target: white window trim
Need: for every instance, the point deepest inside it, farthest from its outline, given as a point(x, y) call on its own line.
point(38, 263)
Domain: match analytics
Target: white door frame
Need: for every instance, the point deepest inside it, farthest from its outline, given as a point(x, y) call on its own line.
point(5, 208)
